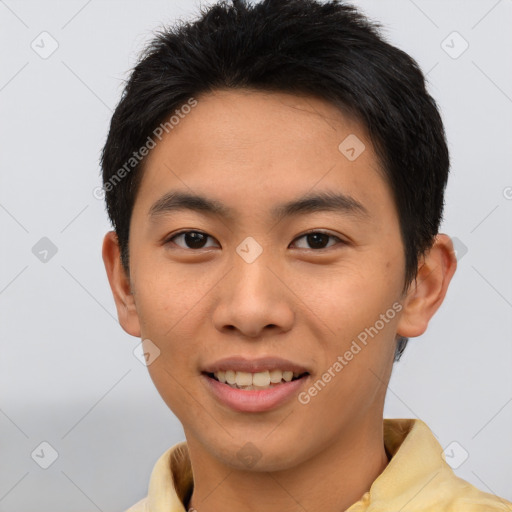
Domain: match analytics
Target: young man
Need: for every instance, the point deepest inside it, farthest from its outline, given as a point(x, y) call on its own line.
point(275, 176)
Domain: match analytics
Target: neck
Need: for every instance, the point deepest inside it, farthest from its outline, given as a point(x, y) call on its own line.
point(332, 480)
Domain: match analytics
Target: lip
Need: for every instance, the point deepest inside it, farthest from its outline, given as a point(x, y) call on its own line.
point(242, 364)
point(260, 400)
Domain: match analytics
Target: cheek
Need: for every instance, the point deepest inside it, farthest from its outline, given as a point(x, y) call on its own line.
point(165, 299)
point(167, 307)
point(355, 374)
point(349, 297)
point(171, 384)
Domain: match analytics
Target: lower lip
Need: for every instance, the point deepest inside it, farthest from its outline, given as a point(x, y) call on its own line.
point(253, 400)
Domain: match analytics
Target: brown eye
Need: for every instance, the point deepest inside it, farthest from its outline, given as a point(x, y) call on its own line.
point(317, 240)
point(196, 240)
point(191, 239)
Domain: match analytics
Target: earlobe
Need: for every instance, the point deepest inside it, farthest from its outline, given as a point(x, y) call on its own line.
point(427, 292)
point(120, 285)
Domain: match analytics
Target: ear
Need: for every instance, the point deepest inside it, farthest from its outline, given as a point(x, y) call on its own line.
point(427, 292)
point(120, 285)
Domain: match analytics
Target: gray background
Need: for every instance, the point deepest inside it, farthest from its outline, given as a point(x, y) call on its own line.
point(68, 375)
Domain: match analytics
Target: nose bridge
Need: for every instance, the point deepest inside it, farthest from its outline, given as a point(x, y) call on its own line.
point(251, 273)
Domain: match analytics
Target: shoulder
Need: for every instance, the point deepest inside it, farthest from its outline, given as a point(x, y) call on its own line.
point(457, 495)
point(418, 477)
point(472, 499)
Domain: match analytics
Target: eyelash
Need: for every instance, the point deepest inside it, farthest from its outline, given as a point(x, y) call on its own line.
point(184, 232)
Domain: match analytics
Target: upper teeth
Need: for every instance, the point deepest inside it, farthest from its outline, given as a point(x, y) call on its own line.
point(259, 379)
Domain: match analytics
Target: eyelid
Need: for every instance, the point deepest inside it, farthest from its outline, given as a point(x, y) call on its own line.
point(168, 239)
point(341, 241)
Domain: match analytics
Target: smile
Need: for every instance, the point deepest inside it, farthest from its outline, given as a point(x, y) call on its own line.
point(254, 381)
point(251, 397)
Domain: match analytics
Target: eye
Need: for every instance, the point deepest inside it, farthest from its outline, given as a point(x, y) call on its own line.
point(197, 239)
point(317, 239)
point(192, 239)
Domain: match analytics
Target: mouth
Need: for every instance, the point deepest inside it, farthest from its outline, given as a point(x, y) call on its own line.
point(255, 381)
point(257, 392)
point(254, 385)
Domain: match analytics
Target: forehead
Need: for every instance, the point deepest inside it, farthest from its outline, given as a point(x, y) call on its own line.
point(250, 148)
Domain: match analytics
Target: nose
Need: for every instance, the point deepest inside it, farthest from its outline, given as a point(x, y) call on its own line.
point(253, 299)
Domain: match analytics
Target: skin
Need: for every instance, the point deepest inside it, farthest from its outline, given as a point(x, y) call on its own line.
point(252, 150)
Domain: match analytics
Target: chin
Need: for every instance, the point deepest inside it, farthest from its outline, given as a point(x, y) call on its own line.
point(263, 455)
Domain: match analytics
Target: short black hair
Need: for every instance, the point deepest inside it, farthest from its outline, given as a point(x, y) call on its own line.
point(325, 49)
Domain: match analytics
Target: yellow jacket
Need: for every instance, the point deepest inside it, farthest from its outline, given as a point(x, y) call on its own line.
point(417, 478)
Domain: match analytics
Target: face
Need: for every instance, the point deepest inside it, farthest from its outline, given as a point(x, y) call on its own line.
point(318, 286)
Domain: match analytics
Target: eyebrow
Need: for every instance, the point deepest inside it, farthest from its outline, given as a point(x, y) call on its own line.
point(311, 203)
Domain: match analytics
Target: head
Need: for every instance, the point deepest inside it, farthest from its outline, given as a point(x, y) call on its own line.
point(287, 117)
